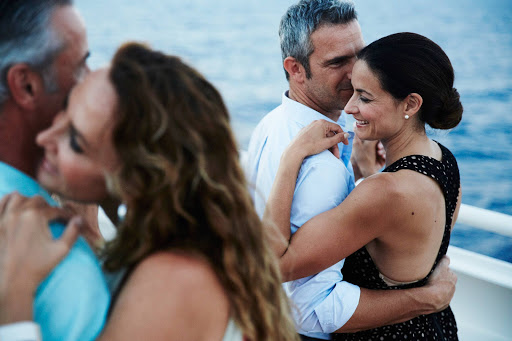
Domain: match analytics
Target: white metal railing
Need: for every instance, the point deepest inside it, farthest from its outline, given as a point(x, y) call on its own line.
point(483, 298)
point(485, 219)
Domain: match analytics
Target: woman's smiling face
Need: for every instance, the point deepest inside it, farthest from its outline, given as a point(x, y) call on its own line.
point(378, 115)
point(78, 146)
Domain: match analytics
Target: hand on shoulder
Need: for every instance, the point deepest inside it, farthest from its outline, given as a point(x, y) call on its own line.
point(28, 251)
point(318, 136)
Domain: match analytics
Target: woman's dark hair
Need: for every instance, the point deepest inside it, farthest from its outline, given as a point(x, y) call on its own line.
point(408, 63)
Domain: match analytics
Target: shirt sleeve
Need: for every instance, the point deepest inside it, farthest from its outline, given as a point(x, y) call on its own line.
point(335, 309)
point(322, 184)
point(324, 301)
point(73, 301)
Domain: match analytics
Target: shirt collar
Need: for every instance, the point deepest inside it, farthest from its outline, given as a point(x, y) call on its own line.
point(304, 115)
point(11, 179)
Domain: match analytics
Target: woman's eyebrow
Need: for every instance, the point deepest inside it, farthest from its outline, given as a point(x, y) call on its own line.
point(363, 90)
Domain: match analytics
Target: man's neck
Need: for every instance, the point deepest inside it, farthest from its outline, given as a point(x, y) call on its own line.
point(17, 141)
point(300, 96)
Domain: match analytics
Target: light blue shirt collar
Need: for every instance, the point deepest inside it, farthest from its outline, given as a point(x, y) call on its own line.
point(304, 115)
point(11, 179)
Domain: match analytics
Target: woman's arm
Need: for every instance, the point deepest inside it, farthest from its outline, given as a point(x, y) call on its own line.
point(313, 139)
point(335, 234)
point(383, 307)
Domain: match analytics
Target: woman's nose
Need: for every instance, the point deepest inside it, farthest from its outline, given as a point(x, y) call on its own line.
point(350, 107)
point(47, 136)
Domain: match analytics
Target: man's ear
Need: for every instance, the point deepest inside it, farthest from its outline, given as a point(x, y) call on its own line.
point(413, 104)
point(294, 69)
point(25, 85)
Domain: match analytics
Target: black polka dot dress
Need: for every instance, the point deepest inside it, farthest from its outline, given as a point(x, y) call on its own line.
point(360, 269)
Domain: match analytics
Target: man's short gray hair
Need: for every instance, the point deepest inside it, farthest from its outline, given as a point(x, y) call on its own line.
point(27, 36)
point(302, 19)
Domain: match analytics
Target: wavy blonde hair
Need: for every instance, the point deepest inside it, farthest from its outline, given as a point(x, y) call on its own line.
point(185, 189)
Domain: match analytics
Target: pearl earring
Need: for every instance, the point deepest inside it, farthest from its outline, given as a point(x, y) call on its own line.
point(406, 117)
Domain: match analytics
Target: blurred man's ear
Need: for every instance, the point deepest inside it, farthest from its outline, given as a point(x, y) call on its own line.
point(25, 85)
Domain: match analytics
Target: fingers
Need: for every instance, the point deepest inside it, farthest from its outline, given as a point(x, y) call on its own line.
point(92, 234)
point(335, 150)
point(443, 268)
point(331, 143)
point(11, 200)
point(333, 132)
point(380, 149)
point(318, 136)
point(3, 204)
point(15, 200)
point(441, 285)
point(445, 261)
point(71, 233)
point(328, 126)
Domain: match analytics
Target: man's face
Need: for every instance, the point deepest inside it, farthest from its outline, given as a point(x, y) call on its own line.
point(69, 66)
point(335, 49)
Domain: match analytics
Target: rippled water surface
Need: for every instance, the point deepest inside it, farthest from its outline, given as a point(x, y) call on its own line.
point(235, 44)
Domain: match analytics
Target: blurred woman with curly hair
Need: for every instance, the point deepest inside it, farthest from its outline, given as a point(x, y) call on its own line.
point(190, 257)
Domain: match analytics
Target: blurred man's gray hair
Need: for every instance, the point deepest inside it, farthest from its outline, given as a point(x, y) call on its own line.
point(27, 36)
point(302, 19)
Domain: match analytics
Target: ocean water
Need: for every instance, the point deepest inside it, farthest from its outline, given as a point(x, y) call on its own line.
point(235, 44)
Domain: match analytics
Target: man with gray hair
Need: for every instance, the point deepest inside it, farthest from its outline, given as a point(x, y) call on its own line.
point(319, 43)
point(43, 53)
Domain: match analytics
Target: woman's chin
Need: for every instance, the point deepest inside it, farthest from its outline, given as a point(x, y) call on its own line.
point(360, 133)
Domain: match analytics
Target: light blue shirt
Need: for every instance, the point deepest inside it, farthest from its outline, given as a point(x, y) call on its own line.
point(323, 302)
point(72, 302)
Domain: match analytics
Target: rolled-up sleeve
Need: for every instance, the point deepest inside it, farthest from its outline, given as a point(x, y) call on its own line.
point(323, 302)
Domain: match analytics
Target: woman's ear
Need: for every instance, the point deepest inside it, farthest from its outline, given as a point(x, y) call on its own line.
point(24, 85)
point(294, 69)
point(413, 104)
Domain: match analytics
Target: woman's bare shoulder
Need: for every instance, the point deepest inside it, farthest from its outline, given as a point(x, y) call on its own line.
point(173, 292)
point(383, 187)
point(397, 193)
point(172, 263)
point(178, 272)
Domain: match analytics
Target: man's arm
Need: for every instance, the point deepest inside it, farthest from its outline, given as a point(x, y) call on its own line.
point(383, 307)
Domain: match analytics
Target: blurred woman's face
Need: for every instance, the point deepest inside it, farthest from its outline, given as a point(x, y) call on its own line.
point(78, 149)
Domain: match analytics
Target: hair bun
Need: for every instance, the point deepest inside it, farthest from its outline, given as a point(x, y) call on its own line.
point(450, 111)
